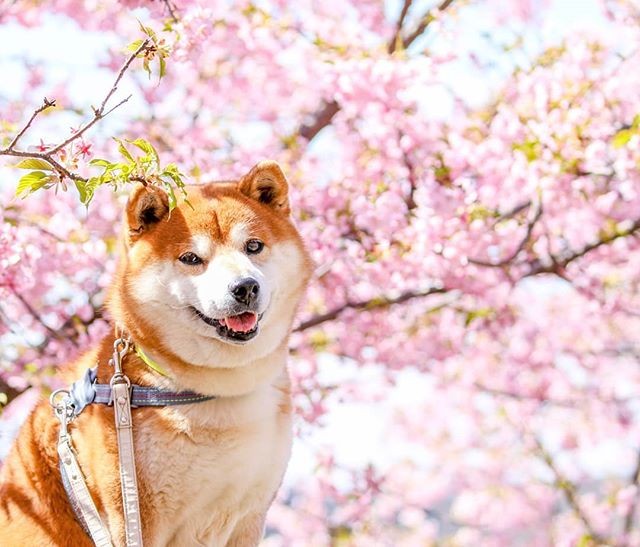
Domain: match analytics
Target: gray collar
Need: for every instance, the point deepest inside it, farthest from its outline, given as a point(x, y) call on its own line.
point(87, 391)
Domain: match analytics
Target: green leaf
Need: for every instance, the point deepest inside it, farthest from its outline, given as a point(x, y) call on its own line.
point(31, 182)
point(530, 149)
point(163, 68)
point(90, 188)
point(133, 46)
point(34, 163)
point(172, 197)
point(123, 150)
point(81, 186)
point(621, 138)
point(100, 162)
point(149, 32)
point(147, 148)
point(586, 541)
point(145, 65)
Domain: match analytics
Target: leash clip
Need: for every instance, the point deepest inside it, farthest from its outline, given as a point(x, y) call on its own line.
point(63, 410)
point(121, 347)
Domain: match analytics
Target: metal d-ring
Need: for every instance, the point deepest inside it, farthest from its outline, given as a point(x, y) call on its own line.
point(58, 404)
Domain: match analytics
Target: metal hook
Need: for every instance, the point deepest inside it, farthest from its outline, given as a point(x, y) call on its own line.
point(121, 347)
point(63, 410)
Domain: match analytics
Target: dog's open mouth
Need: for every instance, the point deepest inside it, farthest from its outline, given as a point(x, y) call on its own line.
point(242, 327)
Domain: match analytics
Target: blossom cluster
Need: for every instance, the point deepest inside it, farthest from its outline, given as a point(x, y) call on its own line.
point(477, 276)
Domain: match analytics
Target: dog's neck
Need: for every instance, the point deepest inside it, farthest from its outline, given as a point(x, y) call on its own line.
point(180, 375)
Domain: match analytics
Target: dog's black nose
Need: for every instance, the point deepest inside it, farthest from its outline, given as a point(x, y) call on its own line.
point(245, 290)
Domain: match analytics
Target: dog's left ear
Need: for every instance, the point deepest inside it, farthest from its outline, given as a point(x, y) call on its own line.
point(147, 206)
point(267, 184)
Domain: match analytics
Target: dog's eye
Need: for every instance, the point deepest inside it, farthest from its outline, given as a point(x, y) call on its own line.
point(190, 259)
point(254, 246)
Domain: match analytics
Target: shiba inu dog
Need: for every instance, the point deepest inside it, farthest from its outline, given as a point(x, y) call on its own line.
point(207, 293)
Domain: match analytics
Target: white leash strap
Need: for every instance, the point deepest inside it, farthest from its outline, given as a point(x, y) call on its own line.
point(124, 431)
point(82, 502)
point(72, 477)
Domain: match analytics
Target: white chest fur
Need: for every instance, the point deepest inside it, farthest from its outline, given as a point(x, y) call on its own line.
point(209, 465)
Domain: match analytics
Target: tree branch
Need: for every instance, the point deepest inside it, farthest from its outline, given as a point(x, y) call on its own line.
point(33, 313)
point(559, 263)
point(371, 304)
point(60, 169)
point(324, 115)
point(9, 391)
point(425, 21)
point(171, 8)
point(98, 114)
point(395, 39)
point(321, 120)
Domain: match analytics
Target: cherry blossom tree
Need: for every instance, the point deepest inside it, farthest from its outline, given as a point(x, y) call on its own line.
point(476, 295)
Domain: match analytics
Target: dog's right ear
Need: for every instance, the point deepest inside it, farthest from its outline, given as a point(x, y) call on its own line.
point(147, 206)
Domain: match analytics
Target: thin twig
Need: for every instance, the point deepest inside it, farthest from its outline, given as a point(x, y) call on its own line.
point(98, 114)
point(72, 334)
point(171, 9)
point(411, 176)
point(634, 480)
point(514, 211)
point(559, 263)
point(425, 21)
point(371, 304)
point(395, 39)
point(569, 490)
point(523, 243)
point(46, 104)
point(35, 314)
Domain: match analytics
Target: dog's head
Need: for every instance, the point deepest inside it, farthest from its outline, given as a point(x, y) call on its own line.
point(215, 281)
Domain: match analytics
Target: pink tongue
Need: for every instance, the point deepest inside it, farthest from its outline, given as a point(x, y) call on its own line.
point(243, 322)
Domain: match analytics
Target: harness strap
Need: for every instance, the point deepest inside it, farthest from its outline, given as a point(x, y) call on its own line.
point(128, 481)
point(76, 487)
point(123, 396)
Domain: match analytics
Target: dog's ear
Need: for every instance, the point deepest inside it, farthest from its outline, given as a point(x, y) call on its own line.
point(147, 206)
point(267, 184)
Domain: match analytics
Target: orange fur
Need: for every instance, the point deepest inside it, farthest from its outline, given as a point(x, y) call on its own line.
point(254, 407)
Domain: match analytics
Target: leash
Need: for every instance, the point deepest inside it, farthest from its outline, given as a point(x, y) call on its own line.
point(123, 395)
point(74, 482)
point(124, 432)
